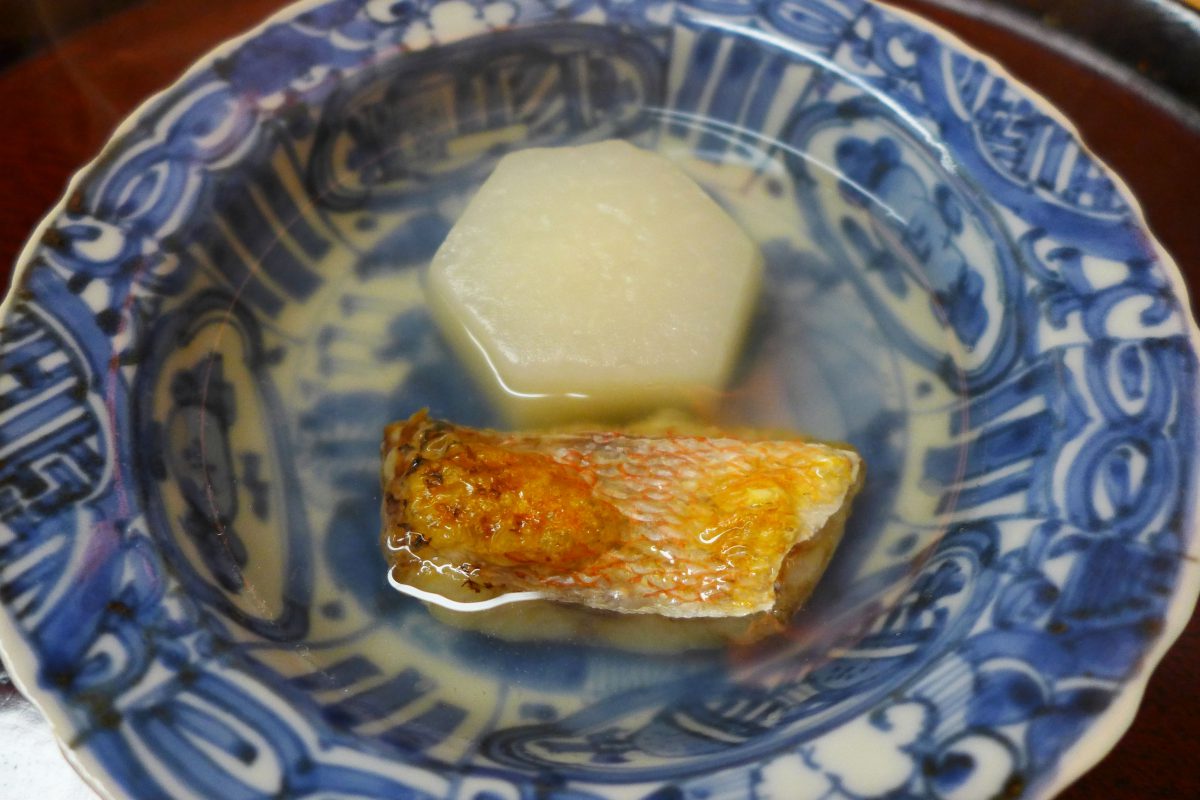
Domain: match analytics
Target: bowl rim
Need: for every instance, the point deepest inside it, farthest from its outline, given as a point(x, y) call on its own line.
point(1107, 729)
point(1102, 733)
point(16, 654)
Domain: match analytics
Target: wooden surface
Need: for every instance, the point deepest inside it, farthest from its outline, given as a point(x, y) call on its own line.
point(29, 24)
point(60, 107)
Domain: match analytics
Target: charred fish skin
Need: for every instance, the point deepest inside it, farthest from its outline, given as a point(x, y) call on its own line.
point(718, 526)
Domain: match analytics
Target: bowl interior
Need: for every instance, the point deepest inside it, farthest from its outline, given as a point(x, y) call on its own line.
point(297, 328)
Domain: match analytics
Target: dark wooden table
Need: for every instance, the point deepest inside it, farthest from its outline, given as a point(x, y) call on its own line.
point(60, 106)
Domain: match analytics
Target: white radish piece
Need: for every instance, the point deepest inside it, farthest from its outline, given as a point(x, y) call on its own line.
point(594, 282)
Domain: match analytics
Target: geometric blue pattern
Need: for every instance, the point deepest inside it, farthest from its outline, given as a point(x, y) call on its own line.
point(205, 339)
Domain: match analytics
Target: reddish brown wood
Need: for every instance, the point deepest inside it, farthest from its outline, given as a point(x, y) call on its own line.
point(29, 24)
point(59, 108)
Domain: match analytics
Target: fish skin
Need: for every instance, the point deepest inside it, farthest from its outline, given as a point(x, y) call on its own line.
point(679, 525)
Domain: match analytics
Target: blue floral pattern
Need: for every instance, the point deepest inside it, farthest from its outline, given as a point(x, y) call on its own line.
point(204, 342)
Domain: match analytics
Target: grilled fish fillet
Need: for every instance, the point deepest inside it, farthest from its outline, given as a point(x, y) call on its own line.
point(720, 526)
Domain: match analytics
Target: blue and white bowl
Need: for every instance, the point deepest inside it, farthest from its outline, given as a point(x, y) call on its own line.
point(205, 338)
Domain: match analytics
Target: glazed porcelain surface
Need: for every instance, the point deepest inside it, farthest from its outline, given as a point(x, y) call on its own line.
point(205, 339)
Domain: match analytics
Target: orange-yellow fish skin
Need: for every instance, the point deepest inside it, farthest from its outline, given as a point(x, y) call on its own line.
point(673, 525)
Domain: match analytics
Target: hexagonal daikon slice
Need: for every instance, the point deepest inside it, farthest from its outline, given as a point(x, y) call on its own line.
point(593, 282)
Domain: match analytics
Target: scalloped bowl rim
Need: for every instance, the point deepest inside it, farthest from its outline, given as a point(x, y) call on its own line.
point(1104, 732)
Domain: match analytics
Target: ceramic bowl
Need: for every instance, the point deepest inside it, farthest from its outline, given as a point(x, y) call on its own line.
point(206, 337)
